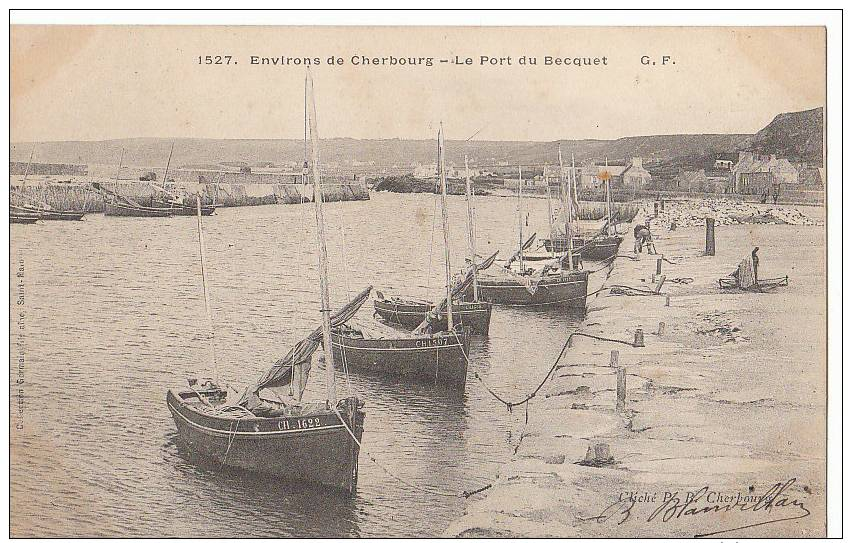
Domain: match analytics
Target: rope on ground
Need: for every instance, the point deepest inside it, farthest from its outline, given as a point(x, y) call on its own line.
point(624, 290)
point(391, 474)
point(681, 280)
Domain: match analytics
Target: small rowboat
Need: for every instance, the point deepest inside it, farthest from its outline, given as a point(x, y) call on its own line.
point(439, 359)
point(762, 285)
point(21, 218)
point(287, 446)
point(118, 209)
point(47, 214)
point(410, 313)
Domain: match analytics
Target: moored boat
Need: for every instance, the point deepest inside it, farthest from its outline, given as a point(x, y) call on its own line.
point(23, 218)
point(439, 359)
point(410, 313)
point(595, 248)
point(46, 214)
point(564, 288)
point(118, 209)
point(270, 429)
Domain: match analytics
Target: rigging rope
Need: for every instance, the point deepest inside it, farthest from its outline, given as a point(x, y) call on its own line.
point(387, 471)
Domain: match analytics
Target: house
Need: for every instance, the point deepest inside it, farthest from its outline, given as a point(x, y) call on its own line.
point(631, 174)
point(756, 174)
point(425, 171)
point(635, 176)
point(690, 181)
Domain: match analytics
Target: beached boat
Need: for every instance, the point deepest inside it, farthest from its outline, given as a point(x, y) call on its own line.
point(594, 248)
point(270, 429)
point(23, 218)
point(46, 214)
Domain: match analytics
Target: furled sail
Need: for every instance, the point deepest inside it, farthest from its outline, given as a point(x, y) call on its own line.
point(459, 287)
point(299, 357)
point(527, 244)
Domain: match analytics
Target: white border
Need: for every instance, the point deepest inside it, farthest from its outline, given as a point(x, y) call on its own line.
point(831, 19)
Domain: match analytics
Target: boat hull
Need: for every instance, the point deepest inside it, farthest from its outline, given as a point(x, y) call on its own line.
point(473, 315)
point(566, 290)
point(121, 210)
point(19, 218)
point(315, 448)
point(183, 210)
point(600, 248)
point(439, 360)
point(47, 214)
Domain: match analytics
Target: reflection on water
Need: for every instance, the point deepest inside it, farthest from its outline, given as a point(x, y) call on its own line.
point(114, 316)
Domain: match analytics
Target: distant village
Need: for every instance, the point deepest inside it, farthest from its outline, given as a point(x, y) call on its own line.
point(724, 173)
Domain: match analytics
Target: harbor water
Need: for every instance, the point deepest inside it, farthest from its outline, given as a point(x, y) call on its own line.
point(108, 313)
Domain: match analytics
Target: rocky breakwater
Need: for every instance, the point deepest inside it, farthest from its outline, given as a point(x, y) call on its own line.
point(721, 429)
point(688, 213)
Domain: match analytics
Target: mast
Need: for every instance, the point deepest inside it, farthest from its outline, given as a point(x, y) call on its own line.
point(471, 229)
point(566, 204)
point(520, 223)
point(608, 198)
point(201, 254)
point(576, 193)
point(549, 211)
point(27, 169)
point(446, 224)
point(168, 162)
point(311, 108)
point(118, 173)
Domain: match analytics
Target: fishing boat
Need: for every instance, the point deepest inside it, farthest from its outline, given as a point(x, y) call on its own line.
point(410, 313)
point(269, 429)
point(116, 205)
point(554, 282)
point(23, 218)
point(597, 246)
point(167, 200)
point(37, 207)
point(425, 355)
point(46, 214)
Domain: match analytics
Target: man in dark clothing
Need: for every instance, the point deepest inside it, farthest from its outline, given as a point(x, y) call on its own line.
point(754, 261)
point(642, 236)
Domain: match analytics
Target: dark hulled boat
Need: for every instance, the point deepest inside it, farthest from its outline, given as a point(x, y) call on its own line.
point(410, 313)
point(47, 214)
point(439, 359)
point(183, 210)
point(23, 218)
point(285, 445)
point(567, 289)
point(270, 429)
point(118, 209)
point(596, 248)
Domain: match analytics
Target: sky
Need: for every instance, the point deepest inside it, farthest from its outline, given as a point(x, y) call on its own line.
point(108, 82)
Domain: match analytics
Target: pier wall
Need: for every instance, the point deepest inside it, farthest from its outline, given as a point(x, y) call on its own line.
point(80, 196)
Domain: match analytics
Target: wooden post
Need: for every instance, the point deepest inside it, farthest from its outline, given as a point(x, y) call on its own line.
point(662, 205)
point(620, 389)
point(668, 300)
point(662, 329)
point(656, 209)
point(659, 265)
point(639, 338)
point(710, 237)
point(613, 358)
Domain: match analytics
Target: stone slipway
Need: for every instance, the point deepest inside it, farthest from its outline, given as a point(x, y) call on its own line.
point(731, 396)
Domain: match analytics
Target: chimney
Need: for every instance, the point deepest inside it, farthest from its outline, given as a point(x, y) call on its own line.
point(637, 162)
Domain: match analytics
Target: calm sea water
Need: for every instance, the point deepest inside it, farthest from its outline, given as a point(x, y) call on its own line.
point(113, 315)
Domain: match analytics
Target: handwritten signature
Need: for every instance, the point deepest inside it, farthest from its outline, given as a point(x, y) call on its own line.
point(679, 506)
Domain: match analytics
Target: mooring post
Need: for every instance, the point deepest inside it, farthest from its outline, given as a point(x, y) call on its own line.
point(656, 209)
point(660, 265)
point(668, 300)
point(613, 359)
point(662, 204)
point(710, 237)
point(662, 329)
point(638, 338)
point(620, 389)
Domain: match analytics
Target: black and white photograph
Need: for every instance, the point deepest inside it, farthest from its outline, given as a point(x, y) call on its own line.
point(548, 280)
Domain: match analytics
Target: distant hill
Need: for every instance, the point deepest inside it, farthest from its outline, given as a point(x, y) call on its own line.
point(150, 152)
point(795, 136)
